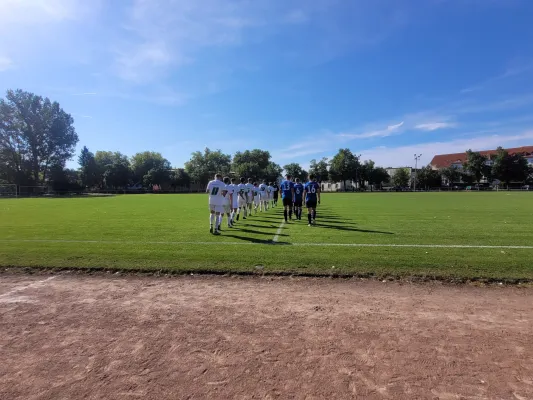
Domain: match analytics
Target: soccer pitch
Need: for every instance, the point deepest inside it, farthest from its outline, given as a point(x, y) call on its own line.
point(448, 235)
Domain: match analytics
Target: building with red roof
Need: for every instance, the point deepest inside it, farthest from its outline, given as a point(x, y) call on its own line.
point(458, 159)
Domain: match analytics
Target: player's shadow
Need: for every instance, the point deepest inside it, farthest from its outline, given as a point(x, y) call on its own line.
point(346, 228)
point(254, 232)
point(256, 240)
point(333, 221)
point(262, 226)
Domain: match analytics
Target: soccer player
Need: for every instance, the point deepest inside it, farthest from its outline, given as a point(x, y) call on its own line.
point(270, 191)
point(249, 195)
point(298, 198)
point(243, 201)
point(276, 193)
point(235, 199)
point(287, 196)
point(263, 194)
point(216, 189)
point(257, 198)
point(312, 197)
point(228, 201)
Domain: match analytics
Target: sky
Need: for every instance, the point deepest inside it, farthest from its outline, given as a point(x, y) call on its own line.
point(386, 78)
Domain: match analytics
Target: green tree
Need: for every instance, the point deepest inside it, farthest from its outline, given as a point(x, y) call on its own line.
point(117, 175)
point(475, 164)
point(250, 163)
point(510, 167)
point(401, 177)
point(150, 166)
point(89, 173)
point(114, 169)
point(365, 173)
point(451, 174)
point(202, 167)
point(379, 176)
point(319, 169)
point(180, 178)
point(343, 166)
point(427, 178)
point(64, 179)
point(35, 133)
point(296, 171)
point(272, 172)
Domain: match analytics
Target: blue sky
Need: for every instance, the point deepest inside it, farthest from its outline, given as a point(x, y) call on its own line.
point(301, 79)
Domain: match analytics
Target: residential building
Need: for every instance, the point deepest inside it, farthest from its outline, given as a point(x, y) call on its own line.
point(412, 173)
point(458, 159)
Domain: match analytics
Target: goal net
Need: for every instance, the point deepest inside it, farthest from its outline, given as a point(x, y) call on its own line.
point(8, 190)
point(30, 191)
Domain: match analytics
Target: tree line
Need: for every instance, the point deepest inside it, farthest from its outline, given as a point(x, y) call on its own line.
point(37, 138)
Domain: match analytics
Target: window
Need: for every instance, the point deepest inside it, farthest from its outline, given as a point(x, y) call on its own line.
point(489, 162)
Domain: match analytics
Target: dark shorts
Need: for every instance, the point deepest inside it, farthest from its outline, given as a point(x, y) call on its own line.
point(298, 203)
point(276, 194)
point(310, 204)
point(287, 201)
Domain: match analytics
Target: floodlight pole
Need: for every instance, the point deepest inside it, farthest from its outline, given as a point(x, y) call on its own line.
point(417, 157)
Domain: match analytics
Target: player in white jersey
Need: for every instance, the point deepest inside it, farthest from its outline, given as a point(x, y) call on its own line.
point(217, 190)
point(228, 200)
point(235, 200)
point(243, 200)
point(257, 197)
point(270, 191)
point(249, 195)
point(263, 194)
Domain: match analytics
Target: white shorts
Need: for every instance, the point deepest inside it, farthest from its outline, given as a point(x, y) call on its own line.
point(256, 200)
point(263, 197)
point(227, 208)
point(235, 202)
point(249, 199)
point(242, 202)
point(216, 208)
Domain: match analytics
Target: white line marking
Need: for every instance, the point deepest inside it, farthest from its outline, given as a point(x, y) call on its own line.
point(276, 236)
point(427, 246)
point(10, 297)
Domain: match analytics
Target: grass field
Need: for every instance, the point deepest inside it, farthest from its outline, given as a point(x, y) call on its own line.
point(356, 234)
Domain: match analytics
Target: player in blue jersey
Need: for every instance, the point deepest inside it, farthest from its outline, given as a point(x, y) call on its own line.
point(312, 197)
point(287, 196)
point(298, 198)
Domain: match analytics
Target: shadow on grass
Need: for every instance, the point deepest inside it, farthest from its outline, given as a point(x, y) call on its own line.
point(251, 231)
point(260, 226)
point(345, 228)
point(255, 240)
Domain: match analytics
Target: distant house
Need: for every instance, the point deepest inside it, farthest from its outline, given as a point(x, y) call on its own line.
point(412, 173)
point(458, 159)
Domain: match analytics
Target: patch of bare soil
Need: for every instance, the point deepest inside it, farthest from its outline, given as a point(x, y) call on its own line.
point(84, 337)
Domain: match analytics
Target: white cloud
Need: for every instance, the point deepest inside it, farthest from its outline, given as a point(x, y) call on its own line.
point(403, 155)
point(509, 73)
point(433, 126)
point(388, 131)
point(45, 11)
point(85, 94)
point(6, 63)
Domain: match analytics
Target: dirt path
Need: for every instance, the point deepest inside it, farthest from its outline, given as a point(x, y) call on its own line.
point(83, 337)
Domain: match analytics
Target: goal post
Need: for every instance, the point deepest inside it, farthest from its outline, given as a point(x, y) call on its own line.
point(31, 191)
point(8, 190)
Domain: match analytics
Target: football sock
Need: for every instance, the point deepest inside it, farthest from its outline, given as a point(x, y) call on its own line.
point(285, 214)
point(211, 219)
point(314, 214)
point(219, 220)
point(309, 217)
point(290, 213)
